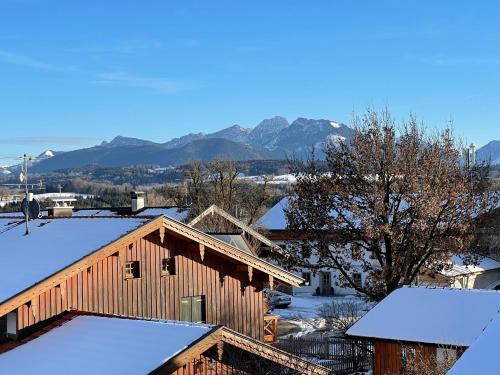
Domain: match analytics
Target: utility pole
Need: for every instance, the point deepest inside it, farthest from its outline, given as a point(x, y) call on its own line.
point(24, 178)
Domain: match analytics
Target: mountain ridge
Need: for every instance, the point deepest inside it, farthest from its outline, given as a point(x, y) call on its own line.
point(272, 139)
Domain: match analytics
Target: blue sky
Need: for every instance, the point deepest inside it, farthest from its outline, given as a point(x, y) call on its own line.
point(74, 73)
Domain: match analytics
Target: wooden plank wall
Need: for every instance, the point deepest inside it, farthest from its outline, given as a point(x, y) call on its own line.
point(387, 358)
point(101, 288)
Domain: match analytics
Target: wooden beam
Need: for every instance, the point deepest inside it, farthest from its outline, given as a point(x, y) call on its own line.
point(213, 209)
point(271, 353)
point(232, 252)
point(193, 351)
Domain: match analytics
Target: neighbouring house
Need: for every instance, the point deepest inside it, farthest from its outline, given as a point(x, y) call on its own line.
point(83, 343)
point(428, 323)
point(131, 266)
point(484, 275)
point(326, 281)
point(232, 230)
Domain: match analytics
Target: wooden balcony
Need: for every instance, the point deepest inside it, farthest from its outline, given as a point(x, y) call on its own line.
point(270, 328)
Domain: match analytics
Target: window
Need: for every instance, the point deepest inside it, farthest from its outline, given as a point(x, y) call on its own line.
point(193, 309)
point(356, 278)
point(307, 277)
point(168, 267)
point(8, 326)
point(132, 270)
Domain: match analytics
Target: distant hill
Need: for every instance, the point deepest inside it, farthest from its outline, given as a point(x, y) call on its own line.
point(490, 153)
point(122, 156)
point(271, 139)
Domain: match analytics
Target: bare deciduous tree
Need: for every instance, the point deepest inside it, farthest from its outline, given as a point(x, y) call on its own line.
point(393, 200)
point(217, 183)
point(341, 315)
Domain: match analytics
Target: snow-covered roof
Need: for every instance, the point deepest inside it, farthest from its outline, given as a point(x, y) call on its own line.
point(482, 356)
point(52, 245)
point(459, 268)
point(171, 212)
point(430, 315)
point(275, 218)
point(90, 344)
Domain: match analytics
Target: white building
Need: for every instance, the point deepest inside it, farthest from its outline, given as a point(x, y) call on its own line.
point(325, 281)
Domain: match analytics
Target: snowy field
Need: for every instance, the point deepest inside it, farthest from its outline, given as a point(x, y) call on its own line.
point(303, 318)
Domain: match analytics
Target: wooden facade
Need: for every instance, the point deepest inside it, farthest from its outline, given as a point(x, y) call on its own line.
point(231, 299)
point(390, 356)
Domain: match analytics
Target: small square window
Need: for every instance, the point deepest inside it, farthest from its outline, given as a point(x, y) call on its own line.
point(168, 267)
point(132, 270)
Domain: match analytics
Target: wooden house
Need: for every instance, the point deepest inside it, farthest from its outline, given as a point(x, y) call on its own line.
point(483, 275)
point(228, 228)
point(425, 324)
point(79, 343)
point(156, 268)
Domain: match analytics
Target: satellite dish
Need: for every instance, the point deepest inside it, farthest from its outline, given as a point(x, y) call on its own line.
point(31, 208)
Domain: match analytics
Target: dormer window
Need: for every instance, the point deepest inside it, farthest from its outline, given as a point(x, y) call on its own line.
point(132, 270)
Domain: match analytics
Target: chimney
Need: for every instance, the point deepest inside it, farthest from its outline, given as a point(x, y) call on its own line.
point(63, 207)
point(137, 198)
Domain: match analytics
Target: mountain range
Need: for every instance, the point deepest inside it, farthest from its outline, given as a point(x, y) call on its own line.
point(271, 139)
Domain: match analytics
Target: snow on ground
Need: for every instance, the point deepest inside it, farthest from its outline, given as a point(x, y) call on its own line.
point(304, 312)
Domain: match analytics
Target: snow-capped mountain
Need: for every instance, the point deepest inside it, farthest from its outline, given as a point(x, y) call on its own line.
point(265, 133)
point(4, 170)
point(271, 139)
point(303, 134)
point(46, 154)
point(234, 133)
point(184, 140)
